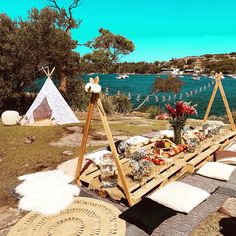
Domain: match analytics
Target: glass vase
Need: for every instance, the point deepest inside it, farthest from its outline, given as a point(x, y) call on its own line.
point(177, 135)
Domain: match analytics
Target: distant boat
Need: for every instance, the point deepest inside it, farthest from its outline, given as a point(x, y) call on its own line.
point(195, 78)
point(233, 76)
point(122, 76)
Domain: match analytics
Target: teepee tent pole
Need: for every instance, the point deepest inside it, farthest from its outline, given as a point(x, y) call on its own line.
point(45, 72)
point(220, 86)
point(52, 71)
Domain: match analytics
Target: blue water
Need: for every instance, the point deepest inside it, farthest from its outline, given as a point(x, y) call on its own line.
point(142, 84)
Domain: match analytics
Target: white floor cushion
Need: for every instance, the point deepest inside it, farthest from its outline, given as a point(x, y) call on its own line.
point(179, 196)
point(10, 117)
point(216, 170)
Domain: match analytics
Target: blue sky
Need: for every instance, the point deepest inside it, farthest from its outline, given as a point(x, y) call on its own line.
point(160, 29)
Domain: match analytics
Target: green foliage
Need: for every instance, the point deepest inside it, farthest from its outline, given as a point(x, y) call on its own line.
point(26, 46)
point(121, 103)
point(171, 84)
point(107, 104)
point(153, 111)
point(76, 96)
point(107, 48)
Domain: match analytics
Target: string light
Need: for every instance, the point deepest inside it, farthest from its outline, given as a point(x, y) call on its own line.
point(129, 96)
point(138, 98)
point(107, 92)
point(163, 98)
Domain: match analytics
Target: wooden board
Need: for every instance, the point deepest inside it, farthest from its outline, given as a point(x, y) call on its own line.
point(160, 175)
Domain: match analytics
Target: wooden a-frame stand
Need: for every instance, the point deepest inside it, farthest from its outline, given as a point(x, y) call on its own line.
point(218, 84)
point(95, 100)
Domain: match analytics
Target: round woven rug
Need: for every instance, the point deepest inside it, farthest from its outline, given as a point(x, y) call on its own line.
point(85, 216)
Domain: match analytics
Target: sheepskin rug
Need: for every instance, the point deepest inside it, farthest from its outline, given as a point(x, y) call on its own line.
point(46, 192)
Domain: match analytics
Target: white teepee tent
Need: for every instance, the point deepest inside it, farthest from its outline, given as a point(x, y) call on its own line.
point(49, 103)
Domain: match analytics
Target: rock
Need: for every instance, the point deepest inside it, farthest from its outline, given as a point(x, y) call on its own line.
point(229, 207)
point(68, 153)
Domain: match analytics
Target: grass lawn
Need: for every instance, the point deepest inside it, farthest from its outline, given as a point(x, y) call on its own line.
point(18, 158)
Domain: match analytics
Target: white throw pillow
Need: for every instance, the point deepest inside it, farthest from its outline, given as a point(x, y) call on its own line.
point(97, 156)
point(216, 170)
point(179, 196)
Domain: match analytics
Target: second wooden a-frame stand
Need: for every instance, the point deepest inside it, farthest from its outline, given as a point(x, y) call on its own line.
point(95, 100)
point(218, 84)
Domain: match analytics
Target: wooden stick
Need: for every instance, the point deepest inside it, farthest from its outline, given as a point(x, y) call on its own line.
point(113, 149)
point(211, 101)
point(229, 114)
point(52, 71)
point(92, 102)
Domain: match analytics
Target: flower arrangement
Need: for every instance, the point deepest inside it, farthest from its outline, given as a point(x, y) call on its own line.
point(178, 117)
point(139, 165)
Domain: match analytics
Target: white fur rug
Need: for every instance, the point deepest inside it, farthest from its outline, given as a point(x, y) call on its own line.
point(46, 192)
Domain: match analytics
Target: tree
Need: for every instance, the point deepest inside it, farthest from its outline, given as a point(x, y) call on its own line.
point(171, 84)
point(69, 22)
point(108, 48)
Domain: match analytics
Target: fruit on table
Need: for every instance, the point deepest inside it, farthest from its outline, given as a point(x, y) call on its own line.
point(167, 144)
point(159, 144)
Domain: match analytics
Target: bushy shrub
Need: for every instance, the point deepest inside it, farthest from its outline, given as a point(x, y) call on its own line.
point(121, 103)
point(153, 111)
point(76, 96)
point(107, 104)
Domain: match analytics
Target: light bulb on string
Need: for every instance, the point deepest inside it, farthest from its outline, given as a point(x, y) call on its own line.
point(208, 85)
point(147, 98)
point(200, 90)
point(138, 98)
point(129, 96)
point(187, 95)
point(163, 98)
point(118, 93)
point(195, 92)
point(157, 99)
point(204, 87)
point(181, 96)
point(169, 98)
point(174, 97)
point(107, 92)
